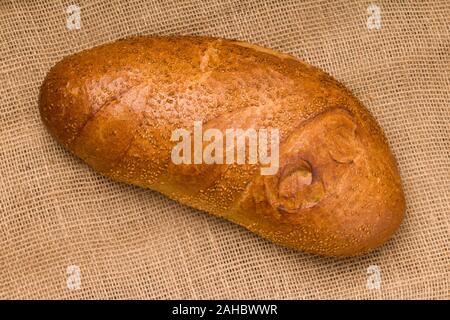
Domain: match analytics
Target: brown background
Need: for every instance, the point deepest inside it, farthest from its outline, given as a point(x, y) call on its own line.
point(133, 243)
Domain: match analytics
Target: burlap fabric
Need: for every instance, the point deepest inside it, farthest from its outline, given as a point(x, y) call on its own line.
point(56, 214)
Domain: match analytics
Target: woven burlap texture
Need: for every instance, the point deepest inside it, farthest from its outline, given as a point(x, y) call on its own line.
point(59, 218)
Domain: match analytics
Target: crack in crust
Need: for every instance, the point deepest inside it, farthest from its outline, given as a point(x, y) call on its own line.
point(299, 185)
point(110, 100)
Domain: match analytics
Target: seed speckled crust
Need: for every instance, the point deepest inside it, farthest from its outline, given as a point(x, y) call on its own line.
point(338, 191)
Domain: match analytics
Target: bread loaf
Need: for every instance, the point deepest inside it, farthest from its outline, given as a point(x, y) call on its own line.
point(333, 188)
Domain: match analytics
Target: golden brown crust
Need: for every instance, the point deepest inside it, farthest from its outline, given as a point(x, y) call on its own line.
point(338, 190)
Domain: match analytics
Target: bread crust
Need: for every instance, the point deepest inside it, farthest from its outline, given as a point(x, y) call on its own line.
point(338, 190)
